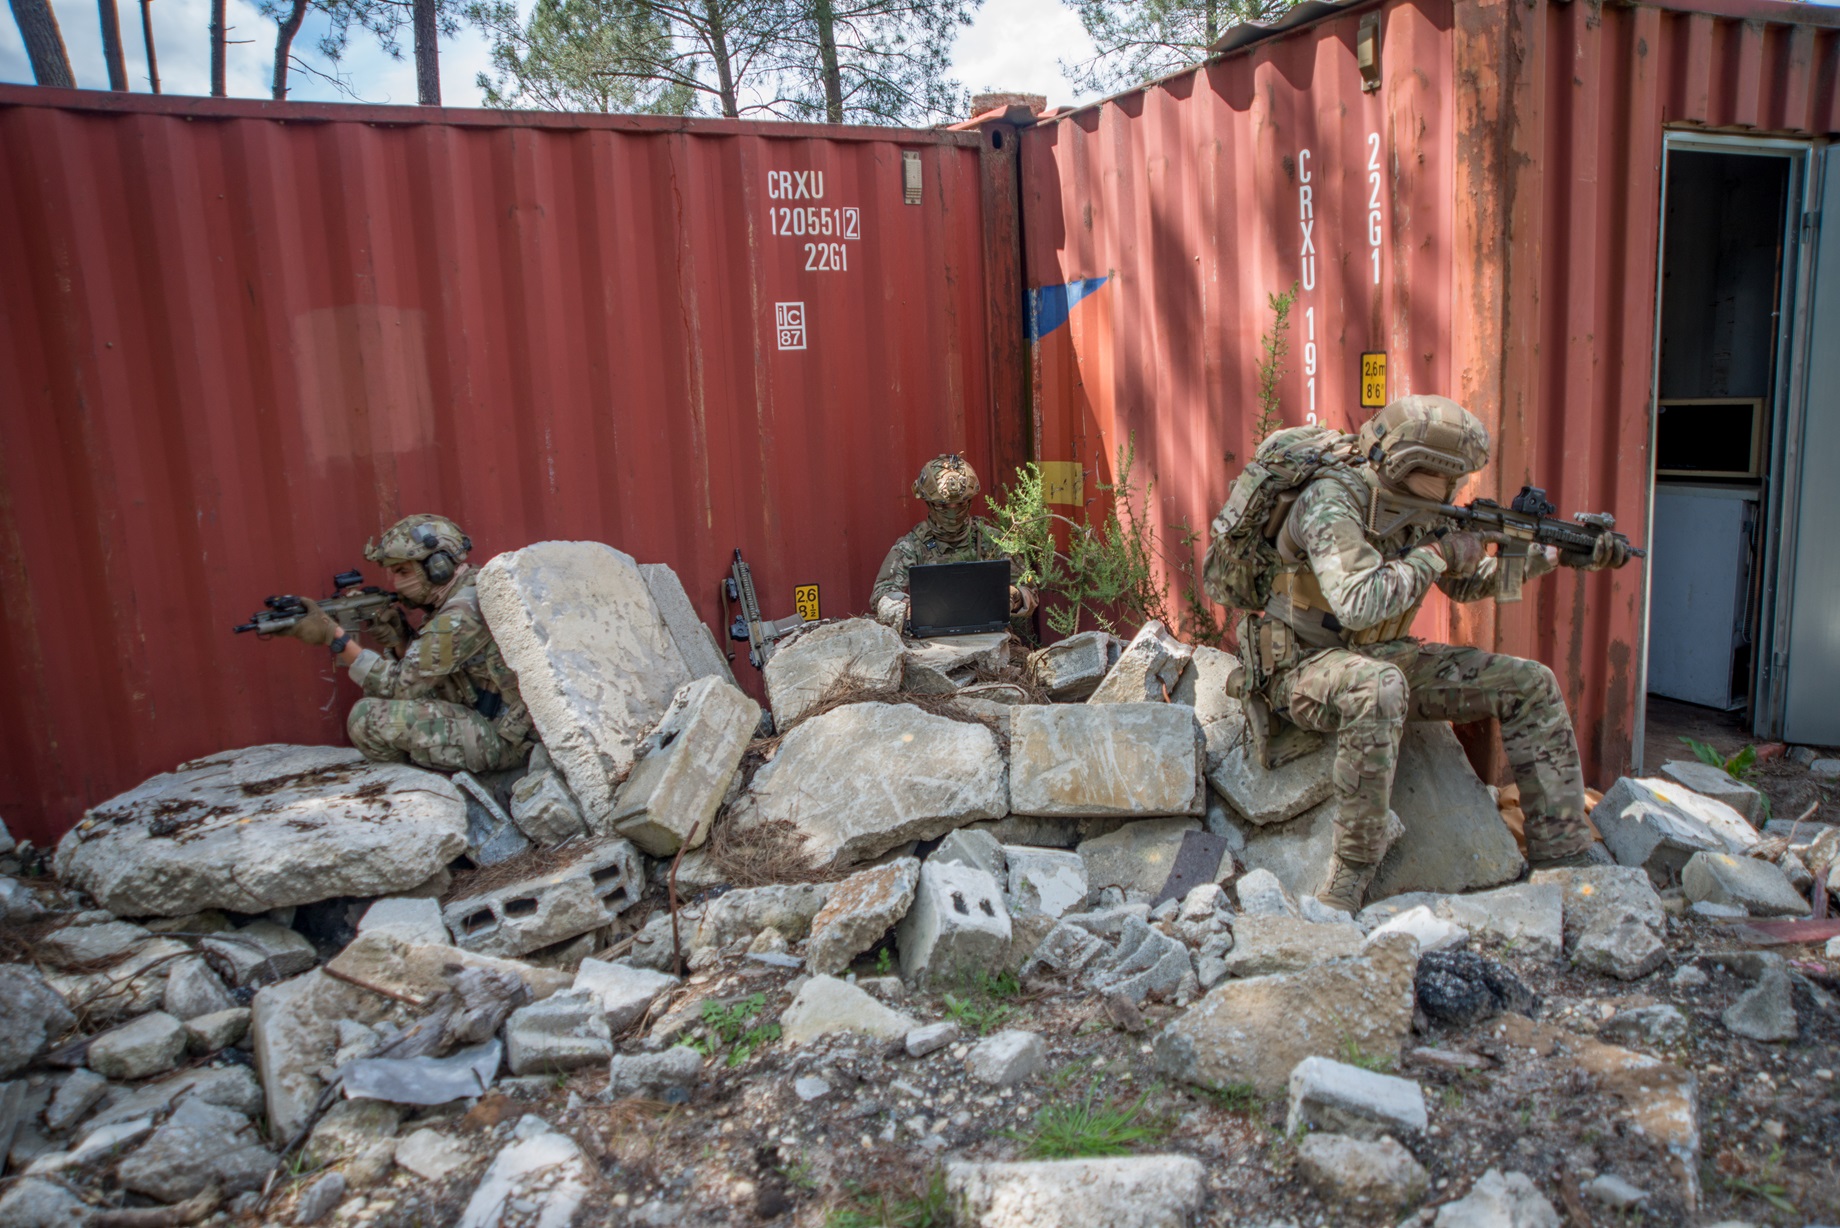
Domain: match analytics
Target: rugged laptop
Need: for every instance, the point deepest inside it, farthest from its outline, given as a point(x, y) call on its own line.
point(958, 598)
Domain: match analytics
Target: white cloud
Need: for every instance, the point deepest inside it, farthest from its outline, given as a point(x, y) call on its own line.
point(1013, 45)
point(1018, 45)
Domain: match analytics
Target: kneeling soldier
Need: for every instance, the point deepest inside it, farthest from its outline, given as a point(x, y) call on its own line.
point(449, 701)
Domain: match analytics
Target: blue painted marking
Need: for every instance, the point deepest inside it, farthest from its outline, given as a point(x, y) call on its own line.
point(1049, 306)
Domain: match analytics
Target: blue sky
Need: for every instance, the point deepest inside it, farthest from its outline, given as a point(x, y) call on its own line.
point(1014, 45)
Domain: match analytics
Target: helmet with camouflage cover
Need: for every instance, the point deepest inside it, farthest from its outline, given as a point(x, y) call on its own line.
point(414, 539)
point(947, 478)
point(1424, 432)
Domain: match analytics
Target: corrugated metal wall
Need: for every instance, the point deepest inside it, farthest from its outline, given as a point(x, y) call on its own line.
point(1505, 178)
point(238, 338)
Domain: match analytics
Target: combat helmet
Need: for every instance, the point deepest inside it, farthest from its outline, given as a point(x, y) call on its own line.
point(1424, 432)
point(947, 478)
point(435, 542)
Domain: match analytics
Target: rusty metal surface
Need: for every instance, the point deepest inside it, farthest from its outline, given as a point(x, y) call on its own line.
point(237, 338)
point(1519, 151)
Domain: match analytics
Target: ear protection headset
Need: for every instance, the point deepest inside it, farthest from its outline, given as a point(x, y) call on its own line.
point(439, 565)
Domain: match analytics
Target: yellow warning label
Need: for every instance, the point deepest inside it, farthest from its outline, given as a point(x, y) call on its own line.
point(1373, 380)
point(1063, 482)
point(805, 599)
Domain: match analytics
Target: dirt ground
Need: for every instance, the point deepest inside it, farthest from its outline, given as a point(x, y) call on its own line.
point(1788, 785)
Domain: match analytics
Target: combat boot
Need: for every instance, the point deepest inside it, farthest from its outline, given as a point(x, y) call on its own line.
point(1347, 884)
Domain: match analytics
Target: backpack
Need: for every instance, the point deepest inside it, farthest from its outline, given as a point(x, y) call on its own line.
point(1242, 557)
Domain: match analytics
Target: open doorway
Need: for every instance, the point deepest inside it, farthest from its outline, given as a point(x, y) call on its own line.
point(1727, 271)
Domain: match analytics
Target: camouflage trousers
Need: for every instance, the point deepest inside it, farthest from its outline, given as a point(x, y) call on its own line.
point(430, 733)
point(1365, 698)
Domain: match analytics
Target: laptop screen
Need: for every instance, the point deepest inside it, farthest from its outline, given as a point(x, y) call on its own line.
point(958, 598)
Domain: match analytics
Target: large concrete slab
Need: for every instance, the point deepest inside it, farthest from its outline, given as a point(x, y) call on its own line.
point(594, 661)
point(862, 779)
point(808, 666)
point(1106, 759)
point(696, 643)
point(1454, 838)
point(265, 827)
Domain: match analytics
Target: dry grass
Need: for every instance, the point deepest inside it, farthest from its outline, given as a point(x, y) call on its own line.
point(536, 861)
point(764, 854)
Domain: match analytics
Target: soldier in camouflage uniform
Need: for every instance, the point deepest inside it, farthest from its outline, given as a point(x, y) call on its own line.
point(949, 534)
point(449, 701)
point(1331, 651)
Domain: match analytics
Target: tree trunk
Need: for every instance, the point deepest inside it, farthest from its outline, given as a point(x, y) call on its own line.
point(826, 18)
point(38, 28)
point(153, 62)
point(111, 44)
point(427, 55)
point(718, 47)
point(218, 35)
point(284, 46)
point(1213, 21)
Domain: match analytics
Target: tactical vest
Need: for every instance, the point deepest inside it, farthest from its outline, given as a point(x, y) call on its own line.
point(1297, 597)
point(487, 683)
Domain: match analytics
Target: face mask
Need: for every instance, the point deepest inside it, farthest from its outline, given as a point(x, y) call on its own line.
point(951, 521)
point(1427, 484)
point(415, 589)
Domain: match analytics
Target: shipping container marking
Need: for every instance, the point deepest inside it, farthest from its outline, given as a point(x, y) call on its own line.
point(795, 185)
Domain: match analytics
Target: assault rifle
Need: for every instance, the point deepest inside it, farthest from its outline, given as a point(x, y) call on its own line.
point(1526, 522)
point(355, 612)
point(760, 633)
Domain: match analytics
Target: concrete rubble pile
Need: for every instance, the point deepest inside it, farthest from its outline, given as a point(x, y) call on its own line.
point(287, 955)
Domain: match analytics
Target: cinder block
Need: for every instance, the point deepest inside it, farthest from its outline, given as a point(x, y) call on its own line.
point(687, 763)
point(958, 925)
point(524, 916)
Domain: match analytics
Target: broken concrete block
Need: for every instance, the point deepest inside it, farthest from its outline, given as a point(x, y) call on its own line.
point(1614, 922)
point(404, 972)
point(75, 1096)
point(943, 664)
point(696, 643)
point(603, 880)
point(1454, 838)
point(1660, 1025)
point(1379, 1176)
point(192, 989)
point(1006, 1058)
point(623, 993)
point(352, 1127)
point(1141, 1191)
point(150, 1045)
point(1267, 944)
point(1126, 759)
point(1137, 857)
point(1147, 671)
point(544, 809)
point(491, 834)
point(861, 909)
point(958, 926)
point(1262, 893)
point(1047, 881)
point(653, 1074)
point(1754, 885)
point(414, 921)
point(971, 846)
point(864, 779)
point(858, 654)
point(562, 1032)
point(259, 953)
point(1257, 1030)
point(1258, 794)
point(218, 1030)
point(1765, 1011)
point(1498, 1201)
point(540, 1179)
point(262, 828)
point(199, 1146)
point(825, 1005)
point(81, 944)
point(1659, 824)
point(1528, 917)
point(684, 767)
point(1068, 949)
point(577, 623)
point(1071, 669)
point(293, 1029)
point(130, 987)
point(1430, 931)
point(1344, 1099)
point(1204, 687)
point(1718, 785)
point(431, 1155)
point(932, 1038)
point(737, 916)
point(1146, 963)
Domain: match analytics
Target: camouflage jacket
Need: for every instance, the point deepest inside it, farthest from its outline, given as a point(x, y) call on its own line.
point(918, 546)
point(1365, 581)
point(454, 658)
